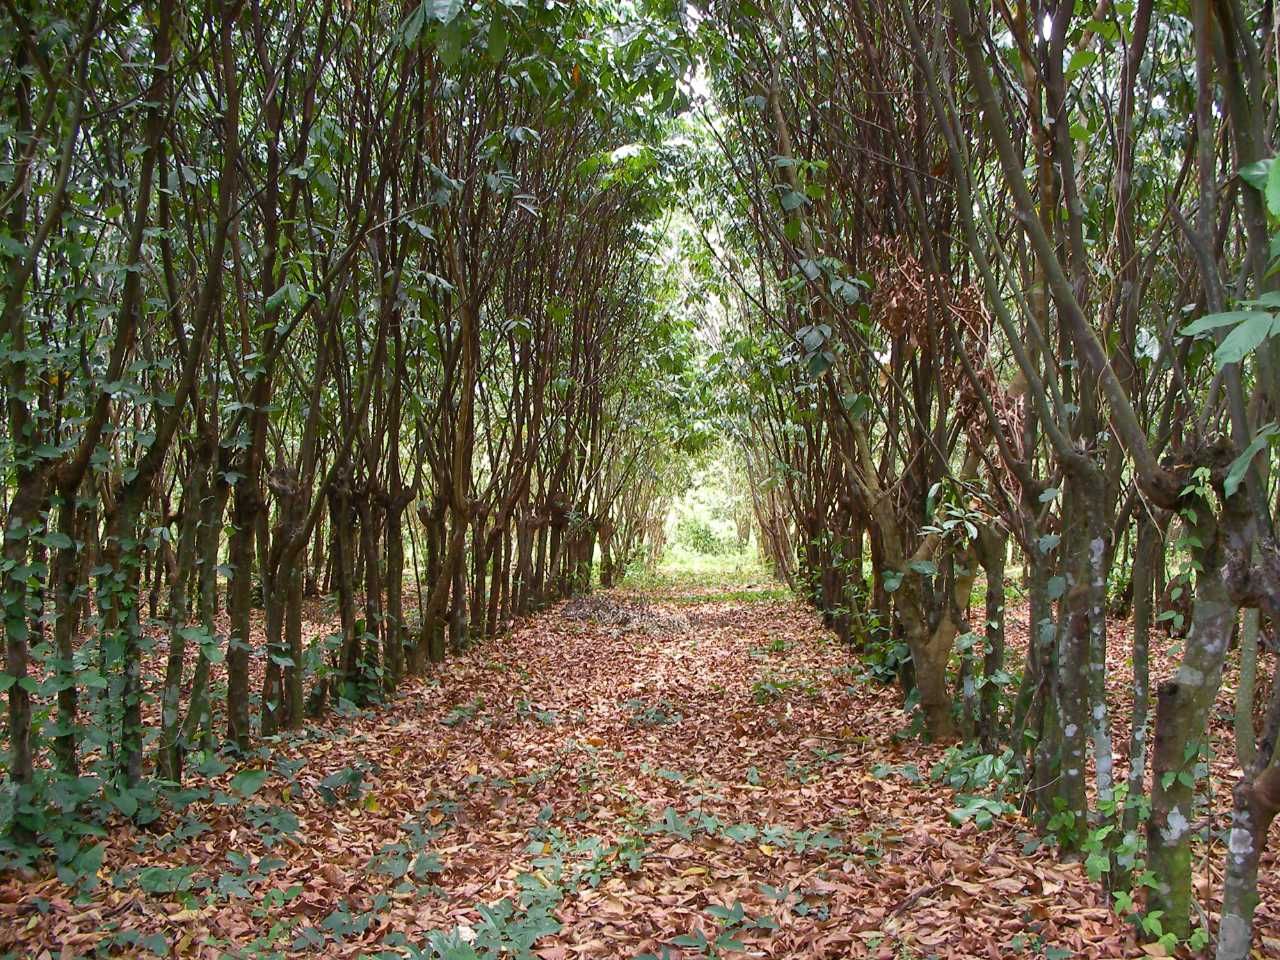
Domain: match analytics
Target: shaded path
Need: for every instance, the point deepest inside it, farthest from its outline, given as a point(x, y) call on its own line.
point(619, 775)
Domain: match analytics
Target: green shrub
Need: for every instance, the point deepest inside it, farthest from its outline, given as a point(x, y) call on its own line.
point(696, 535)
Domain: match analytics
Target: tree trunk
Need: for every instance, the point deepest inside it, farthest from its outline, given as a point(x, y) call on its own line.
point(373, 581)
point(168, 759)
point(68, 598)
point(458, 600)
point(1148, 544)
point(315, 570)
point(198, 725)
point(273, 706)
point(244, 518)
point(1256, 802)
point(525, 540)
point(124, 633)
point(22, 515)
point(479, 599)
point(1246, 747)
point(394, 664)
point(343, 555)
point(1073, 718)
point(993, 546)
point(1182, 712)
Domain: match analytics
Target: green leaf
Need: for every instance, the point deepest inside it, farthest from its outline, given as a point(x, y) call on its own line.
point(793, 200)
point(57, 540)
point(858, 404)
point(426, 864)
point(442, 10)
point(1273, 189)
point(275, 301)
point(164, 880)
point(1105, 29)
point(1267, 301)
point(1245, 338)
point(1212, 321)
point(248, 782)
point(10, 247)
point(695, 940)
point(413, 25)
point(453, 40)
point(498, 38)
point(731, 914)
point(126, 803)
point(157, 943)
point(88, 861)
point(395, 867)
point(1079, 60)
point(1240, 465)
point(1255, 174)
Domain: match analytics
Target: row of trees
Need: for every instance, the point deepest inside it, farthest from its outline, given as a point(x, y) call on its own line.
point(1001, 282)
point(311, 297)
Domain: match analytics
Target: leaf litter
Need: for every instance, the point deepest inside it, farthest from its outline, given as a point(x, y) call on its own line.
point(624, 775)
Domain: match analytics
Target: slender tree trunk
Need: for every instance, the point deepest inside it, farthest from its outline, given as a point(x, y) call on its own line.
point(198, 725)
point(1256, 802)
point(168, 760)
point(502, 577)
point(1094, 505)
point(1148, 544)
point(438, 559)
point(525, 541)
point(993, 547)
point(273, 707)
point(479, 599)
point(343, 555)
point(22, 515)
point(1246, 747)
point(1182, 712)
point(1073, 714)
point(294, 673)
point(315, 571)
point(68, 595)
point(373, 582)
point(395, 627)
point(1042, 687)
point(239, 609)
point(125, 635)
point(458, 625)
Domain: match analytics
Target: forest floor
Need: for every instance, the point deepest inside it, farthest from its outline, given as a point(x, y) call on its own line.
point(684, 771)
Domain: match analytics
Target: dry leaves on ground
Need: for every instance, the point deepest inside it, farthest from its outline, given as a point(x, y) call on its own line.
point(619, 776)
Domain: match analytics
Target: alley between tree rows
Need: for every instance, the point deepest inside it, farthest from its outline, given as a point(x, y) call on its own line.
point(697, 770)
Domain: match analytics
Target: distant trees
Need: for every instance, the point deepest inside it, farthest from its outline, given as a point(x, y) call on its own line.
point(1001, 283)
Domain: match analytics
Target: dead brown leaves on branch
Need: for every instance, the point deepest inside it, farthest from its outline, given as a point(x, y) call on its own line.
point(911, 305)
